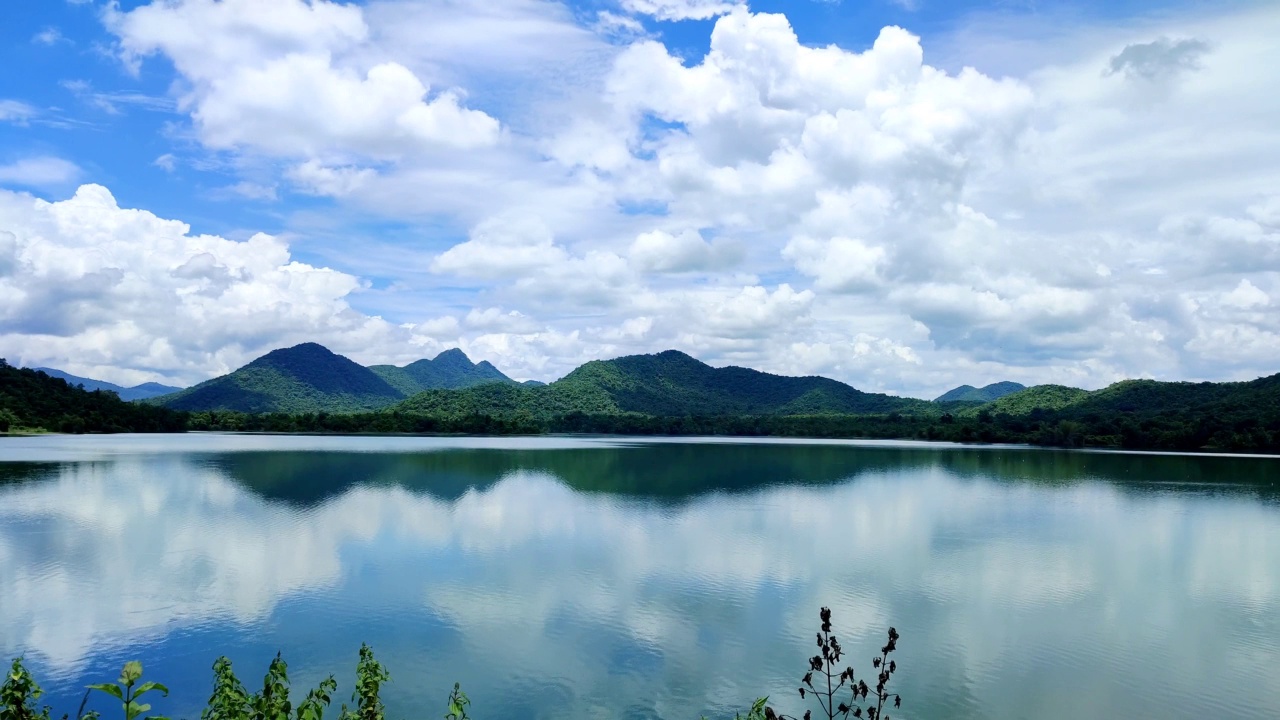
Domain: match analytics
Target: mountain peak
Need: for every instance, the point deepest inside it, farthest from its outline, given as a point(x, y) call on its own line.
point(308, 377)
point(302, 349)
point(678, 355)
point(969, 393)
point(453, 356)
point(451, 370)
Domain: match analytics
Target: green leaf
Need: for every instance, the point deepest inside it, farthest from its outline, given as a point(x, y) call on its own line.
point(149, 686)
point(131, 672)
point(108, 688)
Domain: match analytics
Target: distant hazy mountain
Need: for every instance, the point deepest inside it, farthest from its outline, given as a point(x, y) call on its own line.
point(670, 383)
point(450, 370)
point(137, 392)
point(303, 378)
point(969, 393)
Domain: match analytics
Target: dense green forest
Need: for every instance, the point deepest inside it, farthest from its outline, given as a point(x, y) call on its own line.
point(668, 384)
point(31, 400)
point(668, 393)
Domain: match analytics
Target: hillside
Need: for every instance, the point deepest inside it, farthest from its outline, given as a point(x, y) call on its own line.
point(450, 370)
point(33, 400)
point(1229, 401)
point(303, 378)
point(1037, 397)
point(137, 392)
point(969, 393)
point(670, 383)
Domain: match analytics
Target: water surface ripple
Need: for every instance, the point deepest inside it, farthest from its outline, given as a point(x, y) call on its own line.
point(620, 578)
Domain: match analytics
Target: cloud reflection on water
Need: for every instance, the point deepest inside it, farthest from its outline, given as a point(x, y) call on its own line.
point(1042, 580)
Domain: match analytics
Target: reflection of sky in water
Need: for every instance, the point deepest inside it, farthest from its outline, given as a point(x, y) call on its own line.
point(550, 586)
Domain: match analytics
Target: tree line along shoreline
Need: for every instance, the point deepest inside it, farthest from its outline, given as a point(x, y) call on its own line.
point(33, 402)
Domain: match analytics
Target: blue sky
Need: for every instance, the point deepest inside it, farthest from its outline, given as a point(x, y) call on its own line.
point(544, 183)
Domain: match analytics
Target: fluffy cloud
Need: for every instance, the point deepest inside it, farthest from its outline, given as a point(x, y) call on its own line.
point(106, 286)
point(279, 80)
point(502, 247)
point(859, 212)
point(660, 251)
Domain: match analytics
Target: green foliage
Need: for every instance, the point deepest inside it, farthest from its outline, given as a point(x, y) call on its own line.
point(1039, 397)
point(458, 703)
point(19, 694)
point(124, 691)
point(31, 400)
point(230, 701)
point(370, 675)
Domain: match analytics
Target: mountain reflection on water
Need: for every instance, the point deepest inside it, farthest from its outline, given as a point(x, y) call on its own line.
point(576, 578)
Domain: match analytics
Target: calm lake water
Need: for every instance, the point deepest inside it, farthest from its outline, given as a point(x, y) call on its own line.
point(584, 578)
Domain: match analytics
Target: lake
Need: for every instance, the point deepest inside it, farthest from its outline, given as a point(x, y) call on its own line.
point(627, 578)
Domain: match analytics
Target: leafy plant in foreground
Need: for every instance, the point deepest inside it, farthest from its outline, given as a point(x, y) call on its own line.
point(370, 675)
point(458, 703)
point(839, 681)
point(230, 701)
point(19, 694)
point(124, 691)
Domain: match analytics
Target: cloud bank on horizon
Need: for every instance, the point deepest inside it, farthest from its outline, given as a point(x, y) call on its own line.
point(185, 185)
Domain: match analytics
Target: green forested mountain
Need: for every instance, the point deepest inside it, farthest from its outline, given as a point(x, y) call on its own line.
point(1037, 397)
point(309, 389)
point(450, 370)
point(32, 400)
point(670, 383)
point(969, 393)
point(303, 378)
point(1224, 401)
point(137, 392)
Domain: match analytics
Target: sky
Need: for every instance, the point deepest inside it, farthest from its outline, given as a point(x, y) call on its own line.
point(904, 195)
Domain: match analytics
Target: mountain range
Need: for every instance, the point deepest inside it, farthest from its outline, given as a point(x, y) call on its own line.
point(137, 392)
point(310, 378)
point(307, 388)
point(669, 383)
